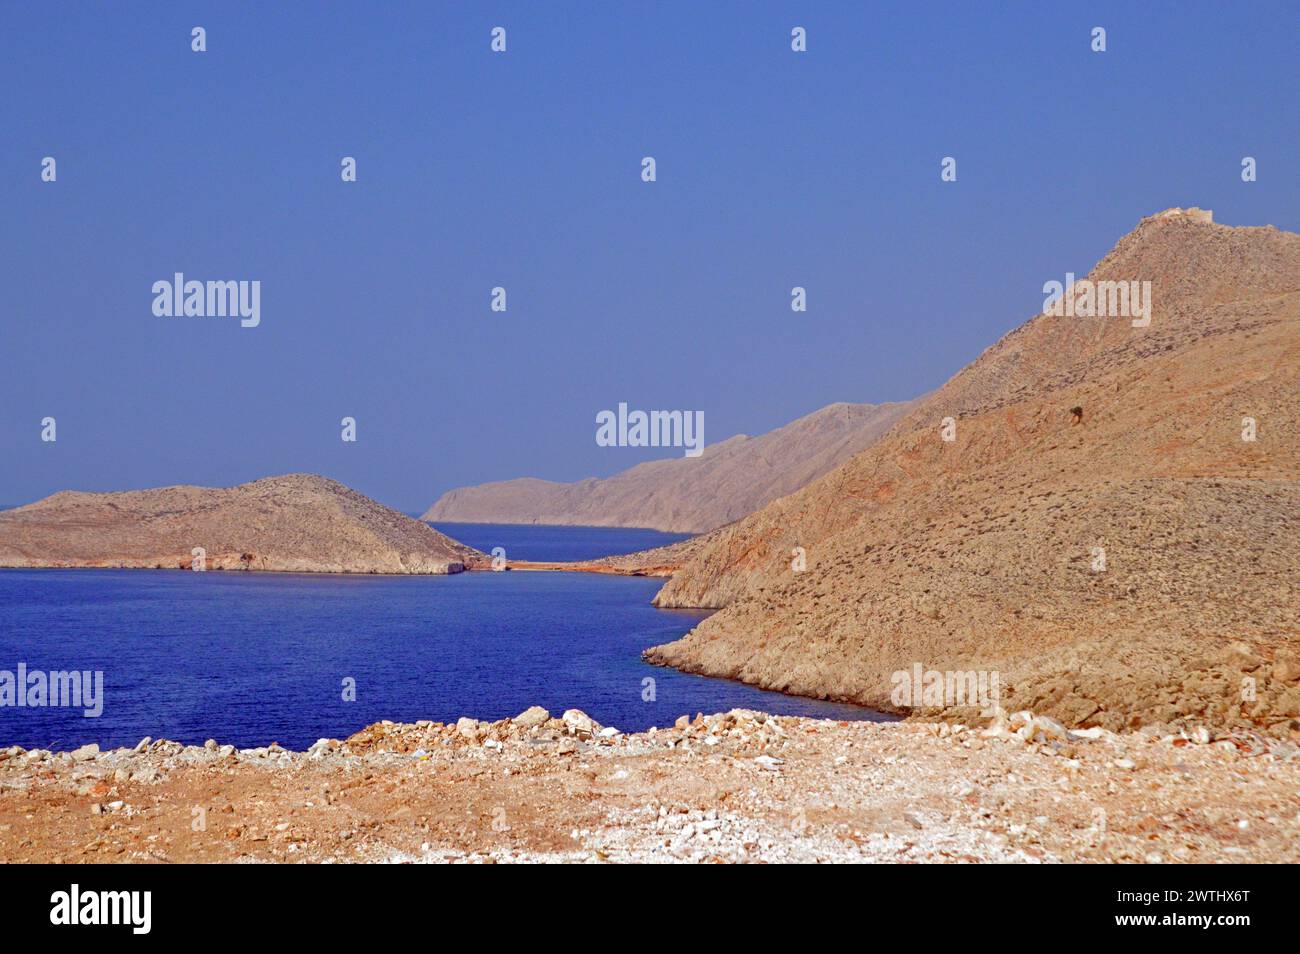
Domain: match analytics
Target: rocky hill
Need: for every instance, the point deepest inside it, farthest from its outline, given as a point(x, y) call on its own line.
point(1098, 531)
point(298, 522)
point(684, 495)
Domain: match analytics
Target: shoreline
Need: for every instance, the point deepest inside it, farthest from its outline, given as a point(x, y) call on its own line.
point(526, 566)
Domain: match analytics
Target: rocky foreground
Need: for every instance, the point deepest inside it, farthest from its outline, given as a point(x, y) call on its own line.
point(737, 787)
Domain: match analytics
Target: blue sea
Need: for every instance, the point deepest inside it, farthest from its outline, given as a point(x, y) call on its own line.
point(535, 542)
point(255, 658)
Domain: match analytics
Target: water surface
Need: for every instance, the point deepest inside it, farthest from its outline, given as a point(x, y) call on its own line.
point(252, 658)
point(539, 542)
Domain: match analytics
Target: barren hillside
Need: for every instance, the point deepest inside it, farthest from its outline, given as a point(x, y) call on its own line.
point(983, 553)
point(684, 495)
point(298, 522)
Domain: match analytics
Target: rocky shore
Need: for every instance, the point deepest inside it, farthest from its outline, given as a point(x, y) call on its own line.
point(740, 786)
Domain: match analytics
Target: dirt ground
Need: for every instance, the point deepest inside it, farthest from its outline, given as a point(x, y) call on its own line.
point(736, 787)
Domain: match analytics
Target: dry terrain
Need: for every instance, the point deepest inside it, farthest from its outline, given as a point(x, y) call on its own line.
point(737, 787)
point(1099, 531)
point(299, 523)
point(683, 495)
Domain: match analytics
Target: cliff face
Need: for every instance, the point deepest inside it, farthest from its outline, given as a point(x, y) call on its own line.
point(684, 495)
point(1098, 531)
point(298, 522)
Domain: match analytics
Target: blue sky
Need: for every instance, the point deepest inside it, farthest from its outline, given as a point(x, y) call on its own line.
point(522, 170)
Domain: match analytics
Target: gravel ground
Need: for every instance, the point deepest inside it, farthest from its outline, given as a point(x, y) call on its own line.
point(735, 787)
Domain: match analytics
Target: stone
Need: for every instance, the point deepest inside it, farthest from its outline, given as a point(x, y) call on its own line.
point(86, 753)
point(1048, 729)
point(531, 717)
point(578, 723)
point(1286, 671)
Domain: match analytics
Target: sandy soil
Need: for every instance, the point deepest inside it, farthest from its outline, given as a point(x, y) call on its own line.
point(738, 787)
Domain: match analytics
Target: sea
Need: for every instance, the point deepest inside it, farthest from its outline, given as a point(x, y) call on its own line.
point(254, 658)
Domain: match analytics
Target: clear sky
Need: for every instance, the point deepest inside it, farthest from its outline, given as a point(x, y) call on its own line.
point(523, 170)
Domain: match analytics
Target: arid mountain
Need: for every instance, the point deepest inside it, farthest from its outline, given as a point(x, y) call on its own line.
point(684, 495)
point(298, 522)
point(1102, 530)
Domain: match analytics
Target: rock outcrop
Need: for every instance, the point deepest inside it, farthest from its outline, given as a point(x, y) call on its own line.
point(684, 495)
point(297, 523)
point(1135, 562)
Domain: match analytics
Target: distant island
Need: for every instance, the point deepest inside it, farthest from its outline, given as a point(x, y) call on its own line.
point(294, 523)
point(730, 480)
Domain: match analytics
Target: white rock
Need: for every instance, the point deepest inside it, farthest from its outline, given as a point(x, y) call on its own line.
point(1049, 728)
point(579, 723)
